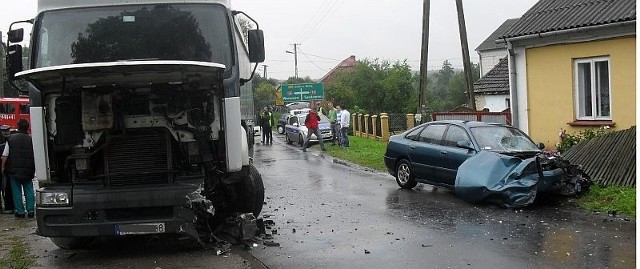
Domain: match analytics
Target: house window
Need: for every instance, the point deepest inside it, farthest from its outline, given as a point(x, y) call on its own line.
point(593, 92)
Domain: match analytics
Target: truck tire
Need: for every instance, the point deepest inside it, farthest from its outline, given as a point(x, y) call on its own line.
point(72, 242)
point(250, 193)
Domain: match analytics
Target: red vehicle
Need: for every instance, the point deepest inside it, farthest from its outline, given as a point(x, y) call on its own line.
point(13, 109)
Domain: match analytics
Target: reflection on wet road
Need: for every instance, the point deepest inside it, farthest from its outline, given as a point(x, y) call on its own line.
point(329, 215)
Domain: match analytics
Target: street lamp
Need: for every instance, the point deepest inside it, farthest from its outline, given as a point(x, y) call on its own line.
point(295, 57)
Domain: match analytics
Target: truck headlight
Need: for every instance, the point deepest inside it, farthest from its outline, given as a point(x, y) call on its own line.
point(54, 198)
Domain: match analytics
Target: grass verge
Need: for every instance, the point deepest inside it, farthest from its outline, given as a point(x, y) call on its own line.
point(18, 256)
point(369, 153)
point(619, 199)
point(361, 151)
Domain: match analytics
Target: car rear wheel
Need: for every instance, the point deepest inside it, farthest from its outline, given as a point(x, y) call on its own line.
point(280, 129)
point(300, 140)
point(404, 175)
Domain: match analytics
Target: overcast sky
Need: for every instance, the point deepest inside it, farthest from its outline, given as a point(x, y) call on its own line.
point(329, 31)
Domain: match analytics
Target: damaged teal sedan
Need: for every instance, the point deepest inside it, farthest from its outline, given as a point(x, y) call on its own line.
point(481, 162)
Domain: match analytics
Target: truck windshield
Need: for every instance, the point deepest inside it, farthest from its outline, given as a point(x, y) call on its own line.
point(190, 32)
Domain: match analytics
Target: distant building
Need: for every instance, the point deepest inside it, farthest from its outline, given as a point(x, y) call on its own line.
point(492, 90)
point(347, 65)
point(491, 52)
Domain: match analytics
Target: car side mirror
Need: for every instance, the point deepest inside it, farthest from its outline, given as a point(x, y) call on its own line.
point(541, 145)
point(465, 145)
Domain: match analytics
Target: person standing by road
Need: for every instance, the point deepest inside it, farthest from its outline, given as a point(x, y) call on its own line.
point(267, 123)
point(18, 161)
point(312, 122)
point(345, 119)
point(333, 119)
point(5, 187)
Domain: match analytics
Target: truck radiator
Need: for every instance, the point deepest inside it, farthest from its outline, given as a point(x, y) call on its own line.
point(138, 158)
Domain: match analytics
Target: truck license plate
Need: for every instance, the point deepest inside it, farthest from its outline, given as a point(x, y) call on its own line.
point(144, 228)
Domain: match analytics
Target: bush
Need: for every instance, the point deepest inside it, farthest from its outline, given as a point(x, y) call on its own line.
point(569, 140)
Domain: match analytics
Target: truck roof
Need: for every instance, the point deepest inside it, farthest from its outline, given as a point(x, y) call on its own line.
point(44, 5)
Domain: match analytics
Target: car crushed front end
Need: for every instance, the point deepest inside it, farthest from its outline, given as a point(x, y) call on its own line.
point(514, 181)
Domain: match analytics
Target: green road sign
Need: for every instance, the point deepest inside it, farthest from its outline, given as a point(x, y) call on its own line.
point(302, 92)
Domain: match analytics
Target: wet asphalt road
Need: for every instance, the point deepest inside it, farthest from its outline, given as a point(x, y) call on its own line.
point(331, 215)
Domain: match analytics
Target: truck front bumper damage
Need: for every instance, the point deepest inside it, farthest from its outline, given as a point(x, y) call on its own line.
point(95, 211)
point(513, 182)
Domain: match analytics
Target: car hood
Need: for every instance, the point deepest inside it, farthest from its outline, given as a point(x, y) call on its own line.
point(513, 181)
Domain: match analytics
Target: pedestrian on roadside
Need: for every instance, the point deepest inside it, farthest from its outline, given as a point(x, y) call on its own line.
point(345, 120)
point(333, 119)
point(338, 118)
point(5, 186)
point(312, 123)
point(18, 161)
point(266, 122)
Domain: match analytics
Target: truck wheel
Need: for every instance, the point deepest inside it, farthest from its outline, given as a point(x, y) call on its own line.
point(250, 193)
point(72, 242)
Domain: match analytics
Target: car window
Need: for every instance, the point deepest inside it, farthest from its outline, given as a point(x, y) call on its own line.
point(293, 120)
point(413, 135)
point(433, 133)
point(454, 135)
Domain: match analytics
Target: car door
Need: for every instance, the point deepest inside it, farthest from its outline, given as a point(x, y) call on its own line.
point(291, 129)
point(451, 155)
point(424, 152)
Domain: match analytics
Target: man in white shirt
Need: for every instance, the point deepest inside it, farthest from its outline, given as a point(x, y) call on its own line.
point(345, 119)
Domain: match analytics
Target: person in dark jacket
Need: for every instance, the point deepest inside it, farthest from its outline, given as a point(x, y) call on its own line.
point(18, 161)
point(5, 187)
point(312, 123)
point(267, 122)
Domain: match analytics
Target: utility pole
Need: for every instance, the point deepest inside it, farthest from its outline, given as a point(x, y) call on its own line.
point(424, 59)
point(295, 57)
point(465, 56)
point(265, 71)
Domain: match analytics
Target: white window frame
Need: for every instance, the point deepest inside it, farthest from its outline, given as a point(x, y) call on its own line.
point(594, 88)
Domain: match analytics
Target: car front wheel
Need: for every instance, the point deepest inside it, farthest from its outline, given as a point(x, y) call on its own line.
point(286, 138)
point(404, 175)
point(301, 140)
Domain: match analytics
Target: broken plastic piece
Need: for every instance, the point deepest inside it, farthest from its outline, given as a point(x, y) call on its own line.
point(271, 244)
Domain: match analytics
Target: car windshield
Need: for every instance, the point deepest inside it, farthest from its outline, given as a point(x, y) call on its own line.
point(503, 139)
point(190, 32)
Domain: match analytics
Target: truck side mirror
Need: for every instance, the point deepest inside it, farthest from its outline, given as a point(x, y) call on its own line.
point(14, 60)
point(256, 46)
point(16, 35)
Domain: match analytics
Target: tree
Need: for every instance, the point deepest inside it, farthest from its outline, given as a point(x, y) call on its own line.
point(392, 85)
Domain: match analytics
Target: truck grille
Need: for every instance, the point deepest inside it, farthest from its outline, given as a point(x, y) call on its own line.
point(138, 159)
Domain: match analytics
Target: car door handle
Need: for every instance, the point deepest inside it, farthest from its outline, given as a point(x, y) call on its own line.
point(412, 147)
point(444, 152)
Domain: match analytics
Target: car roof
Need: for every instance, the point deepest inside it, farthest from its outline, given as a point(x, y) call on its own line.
point(467, 123)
